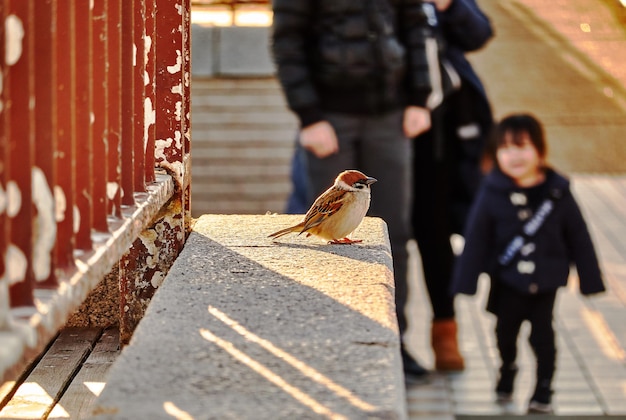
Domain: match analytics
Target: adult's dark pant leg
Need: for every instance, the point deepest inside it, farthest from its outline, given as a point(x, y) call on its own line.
point(431, 223)
point(386, 155)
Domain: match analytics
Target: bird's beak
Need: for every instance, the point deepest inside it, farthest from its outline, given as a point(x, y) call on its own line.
point(370, 180)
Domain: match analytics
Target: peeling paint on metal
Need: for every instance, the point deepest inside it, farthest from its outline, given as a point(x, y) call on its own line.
point(157, 279)
point(76, 219)
point(176, 68)
point(14, 36)
point(163, 150)
point(179, 110)
point(147, 47)
point(148, 238)
point(134, 55)
point(44, 225)
point(60, 203)
point(177, 89)
point(14, 198)
point(179, 8)
point(161, 146)
point(112, 188)
point(150, 119)
point(15, 262)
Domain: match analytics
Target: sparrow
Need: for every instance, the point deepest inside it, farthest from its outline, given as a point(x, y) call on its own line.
point(338, 211)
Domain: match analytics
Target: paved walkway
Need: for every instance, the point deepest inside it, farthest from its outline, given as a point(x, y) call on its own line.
point(591, 333)
point(557, 59)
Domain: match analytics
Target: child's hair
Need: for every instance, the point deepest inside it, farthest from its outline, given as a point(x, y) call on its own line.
point(517, 124)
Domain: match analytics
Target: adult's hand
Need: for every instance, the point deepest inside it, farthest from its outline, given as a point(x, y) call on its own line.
point(442, 5)
point(319, 138)
point(416, 121)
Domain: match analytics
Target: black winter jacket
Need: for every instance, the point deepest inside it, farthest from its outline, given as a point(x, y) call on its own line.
point(350, 56)
point(543, 264)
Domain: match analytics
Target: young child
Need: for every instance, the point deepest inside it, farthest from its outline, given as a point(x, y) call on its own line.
point(525, 229)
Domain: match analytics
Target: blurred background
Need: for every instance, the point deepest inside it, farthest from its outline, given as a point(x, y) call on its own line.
point(562, 60)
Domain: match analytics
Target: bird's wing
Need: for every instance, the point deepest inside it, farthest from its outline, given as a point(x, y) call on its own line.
point(325, 206)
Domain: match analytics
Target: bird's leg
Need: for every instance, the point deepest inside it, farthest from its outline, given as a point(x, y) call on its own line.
point(344, 241)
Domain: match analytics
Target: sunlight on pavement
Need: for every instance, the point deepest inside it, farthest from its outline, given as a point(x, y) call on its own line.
point(295, 392)
point(308, 371)
point(603, 335)
point(171, 409)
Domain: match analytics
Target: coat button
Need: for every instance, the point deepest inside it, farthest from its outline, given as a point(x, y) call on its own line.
point(527, 249)
point(525, 267)
point(524, 214)
point(518, 199)
point(533, 288)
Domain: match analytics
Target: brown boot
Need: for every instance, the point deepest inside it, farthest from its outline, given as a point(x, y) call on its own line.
point(445, 346)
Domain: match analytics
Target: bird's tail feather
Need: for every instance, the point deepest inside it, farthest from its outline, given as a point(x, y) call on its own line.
point(283, 232)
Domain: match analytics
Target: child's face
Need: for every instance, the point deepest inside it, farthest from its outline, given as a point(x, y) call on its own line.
point(520, 160)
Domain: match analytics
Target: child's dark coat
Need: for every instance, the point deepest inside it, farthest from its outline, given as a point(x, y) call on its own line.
point(496, 217)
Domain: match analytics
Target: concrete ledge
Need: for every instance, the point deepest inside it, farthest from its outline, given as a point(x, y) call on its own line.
point(244, 327)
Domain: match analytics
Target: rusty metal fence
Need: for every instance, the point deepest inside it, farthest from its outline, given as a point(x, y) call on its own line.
point(94, 159)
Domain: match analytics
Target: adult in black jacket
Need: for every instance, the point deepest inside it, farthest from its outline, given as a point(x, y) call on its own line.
point(355, 73)
point(447, 165)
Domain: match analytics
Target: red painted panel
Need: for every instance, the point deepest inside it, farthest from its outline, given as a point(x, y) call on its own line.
point(45, 137)
point(64, 161)
point(187, 75)
point(3, 157)
point(169, 84)
point(114, 101)
point(128, 82)
point(19, 83)
point(138, 96)
point(84, 139)
point(100, 115)
point(150, 112)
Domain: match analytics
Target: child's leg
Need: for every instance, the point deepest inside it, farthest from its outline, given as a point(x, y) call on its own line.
point(511, 312)
point(542, 341)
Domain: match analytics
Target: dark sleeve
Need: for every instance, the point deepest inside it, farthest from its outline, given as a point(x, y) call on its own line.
point(466, 26)
point(476, 253)
point(290, 49)
point(413, 30)
point(581, 248)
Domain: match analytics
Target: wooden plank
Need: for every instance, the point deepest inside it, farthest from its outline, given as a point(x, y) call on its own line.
point(37, 395)
point(90, 380)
